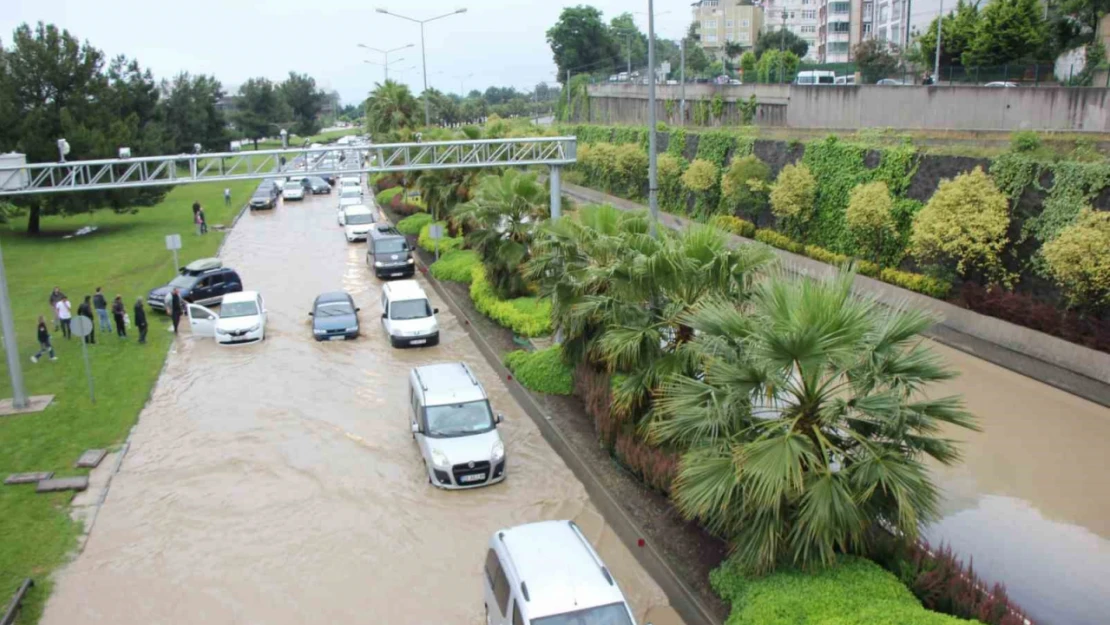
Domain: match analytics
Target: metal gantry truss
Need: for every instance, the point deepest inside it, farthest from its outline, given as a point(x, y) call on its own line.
point(173, 169)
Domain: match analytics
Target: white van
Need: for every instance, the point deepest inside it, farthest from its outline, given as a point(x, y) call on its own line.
point(350, 182)
point(815, 77)
point(407, 316)
point(548, 572)
point(357, 221)
point(847, 79)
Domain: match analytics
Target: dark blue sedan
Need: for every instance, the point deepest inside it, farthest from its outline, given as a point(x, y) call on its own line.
point(334, 317)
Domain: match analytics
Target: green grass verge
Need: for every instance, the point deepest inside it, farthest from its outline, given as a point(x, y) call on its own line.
point(125, 255)
point(456, 266)
point(542, 371)
point(413, 223)
point(446, 244)
point(855, 592)
point(525, 316)
point(298, 141)
point(386, 197)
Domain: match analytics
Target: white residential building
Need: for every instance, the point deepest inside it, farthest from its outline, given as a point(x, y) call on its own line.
point(797, 16)
point(835, 34)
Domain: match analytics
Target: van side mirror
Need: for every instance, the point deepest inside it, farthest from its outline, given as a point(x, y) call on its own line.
point(310, 313)
point(383, 316)
point(500, 417)
point(357, 309)
point(435, 311)
point(415, 428)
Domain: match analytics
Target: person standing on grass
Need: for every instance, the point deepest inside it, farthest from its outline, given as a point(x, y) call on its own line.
point(203, 222)
point(176, 308)
point(65, 315)
point(85, 310)
point(101, 306)
point(44, 342)
point(227, 196)
point(198, 220)
point(56, 296)
point(140, 319)
point(118, 314)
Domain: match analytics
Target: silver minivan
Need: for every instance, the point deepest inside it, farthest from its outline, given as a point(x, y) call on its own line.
point(454, 427)
point(547, 573)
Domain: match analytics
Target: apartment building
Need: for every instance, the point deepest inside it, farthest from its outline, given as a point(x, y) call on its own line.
point(840, 27)
point(890, 19)
point(723, 21)
point(797, 16)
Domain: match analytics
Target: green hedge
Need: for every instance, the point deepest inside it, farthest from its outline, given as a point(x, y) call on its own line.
point(525, 316)
point(855, 592)
point(456, 266)
point(734, 225)
point(542, 371)
point(385, 197)
point(446, 244)
point(414, 223)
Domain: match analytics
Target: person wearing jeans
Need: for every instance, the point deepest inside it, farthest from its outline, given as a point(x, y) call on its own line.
point(140, 320)
point(65, 316)
point(44, 342)
point(118, 314)
point(56, 296)
point(101, 306)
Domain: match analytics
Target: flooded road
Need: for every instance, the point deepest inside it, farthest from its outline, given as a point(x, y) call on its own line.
point(278, 483)
point(1030, 503)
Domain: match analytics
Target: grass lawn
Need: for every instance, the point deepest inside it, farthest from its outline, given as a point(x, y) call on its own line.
point(296, 141)
point(127, 256)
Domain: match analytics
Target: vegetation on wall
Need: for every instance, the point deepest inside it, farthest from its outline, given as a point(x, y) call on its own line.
point(745, 187)
point(700, 178)
point(542, 370)
point(792, 197)
point(1078, 259)
point(870, 218)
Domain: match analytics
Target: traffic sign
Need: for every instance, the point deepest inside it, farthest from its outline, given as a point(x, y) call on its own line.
point(173, 241)
point(81, 326)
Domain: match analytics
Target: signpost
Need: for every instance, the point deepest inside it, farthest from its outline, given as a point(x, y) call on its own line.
point(435, 231)
point(173, 243)
point(82, 327)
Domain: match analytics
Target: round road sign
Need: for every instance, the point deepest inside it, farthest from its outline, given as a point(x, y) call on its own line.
point(81, 326)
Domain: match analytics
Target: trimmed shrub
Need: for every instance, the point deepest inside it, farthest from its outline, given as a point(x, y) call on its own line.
point(1025, 141)
point(414, 223)
point(781, 241)
point(456, 266)
point(1078, 259)
point(631, 170)
point(926, 285)
point(542, 371)
point(964, 222)
point(734, 225)
point(744, 186)
point(385, 197)
point(854, 592)
point(700, 178)
point(1025, 310)
point(793, 194)
point(870, 217)
point(657, 468)
point(672, 194)
point(446, 244)
point(525, 316)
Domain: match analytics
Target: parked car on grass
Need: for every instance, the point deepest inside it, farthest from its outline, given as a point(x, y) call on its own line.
point(204, 281)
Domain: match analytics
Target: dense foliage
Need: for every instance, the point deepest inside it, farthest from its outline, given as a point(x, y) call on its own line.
point(870, 218)
point(456, 266)
point(745, 186)
point(525, 316)
point(793, 195)
point(1079, 261)
point(542, 370)
point(414, 223)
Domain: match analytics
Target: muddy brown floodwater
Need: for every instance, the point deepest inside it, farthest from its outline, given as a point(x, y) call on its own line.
point(278, 483)
point(1029, 504)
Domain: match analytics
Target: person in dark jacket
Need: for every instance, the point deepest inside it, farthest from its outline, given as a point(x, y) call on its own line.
point(118, 314)
point(140, 319)
point(44, 341)
point(56, 296)
point(86, 310)
point(101, 306)
point(176, 308)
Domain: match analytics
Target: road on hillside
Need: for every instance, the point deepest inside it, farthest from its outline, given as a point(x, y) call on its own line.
point(278, 483)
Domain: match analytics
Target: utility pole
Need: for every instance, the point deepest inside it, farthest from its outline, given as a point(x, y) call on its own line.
point(782, 45)
point(653, 186)
point(936, 63)
point(682, 79)
point(569, 111)
point(628, 42)
point(11, 345)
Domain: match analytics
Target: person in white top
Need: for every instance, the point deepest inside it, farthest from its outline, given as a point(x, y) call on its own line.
point(65, 316)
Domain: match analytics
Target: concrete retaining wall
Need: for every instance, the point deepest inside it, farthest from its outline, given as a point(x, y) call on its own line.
point(871, 106)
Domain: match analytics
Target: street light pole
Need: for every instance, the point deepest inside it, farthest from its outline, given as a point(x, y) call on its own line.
point(384, 65)
point(385, 53)
point(423, 55)
point(936, 62)
point(653, 188)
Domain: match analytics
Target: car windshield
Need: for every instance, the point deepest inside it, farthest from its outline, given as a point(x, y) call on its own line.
point(349, 192)
point(359, 218)
point(410, 309)
point(459, 419)
point(238, 309)
point(183, 282)
point(334, 309)
point(612, 614)
point(350, 201)
point(391, 246)
point(317, 182)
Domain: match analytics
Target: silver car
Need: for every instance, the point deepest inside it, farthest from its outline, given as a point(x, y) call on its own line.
point(454, 427)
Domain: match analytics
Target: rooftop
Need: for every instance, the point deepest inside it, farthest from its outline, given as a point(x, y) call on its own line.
point(405, 289)
point(449, 383)
point(241, 296)
point(559, 568)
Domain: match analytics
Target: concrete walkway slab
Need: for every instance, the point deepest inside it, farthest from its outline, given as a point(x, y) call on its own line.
point(91, 458)
point(63, 483)
point(29, 478)
point(35, 403)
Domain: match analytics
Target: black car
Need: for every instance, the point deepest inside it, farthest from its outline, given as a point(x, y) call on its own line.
point(316, 185)
point(334, 317)
point(205, 281)
point(388, 252)
point(265, 196)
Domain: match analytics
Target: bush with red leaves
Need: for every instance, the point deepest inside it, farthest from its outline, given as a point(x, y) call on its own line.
point(594, 388)
point(1025, 310)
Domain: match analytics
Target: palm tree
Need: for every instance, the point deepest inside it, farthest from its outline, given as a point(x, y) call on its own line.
point(501, 219)
point(808, 422)
point(391, 106)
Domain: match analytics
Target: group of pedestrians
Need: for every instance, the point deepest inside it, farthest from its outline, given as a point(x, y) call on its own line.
point(96, 304)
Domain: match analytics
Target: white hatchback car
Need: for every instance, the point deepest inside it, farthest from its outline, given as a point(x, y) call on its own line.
point(357, 221)
point(345, 202)
point(242, 319)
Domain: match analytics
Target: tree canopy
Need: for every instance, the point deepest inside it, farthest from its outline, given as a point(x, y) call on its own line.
point(781, 39)
point(581, 41)
point(305, 102)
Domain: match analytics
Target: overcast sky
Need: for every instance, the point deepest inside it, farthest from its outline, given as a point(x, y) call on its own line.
point(500, 42)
